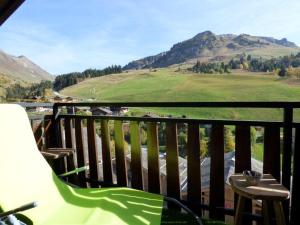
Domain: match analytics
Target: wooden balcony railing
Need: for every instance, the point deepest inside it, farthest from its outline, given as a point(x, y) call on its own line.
point(68, 130)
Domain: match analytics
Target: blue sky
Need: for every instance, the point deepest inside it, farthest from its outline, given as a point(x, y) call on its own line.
point(72, 35)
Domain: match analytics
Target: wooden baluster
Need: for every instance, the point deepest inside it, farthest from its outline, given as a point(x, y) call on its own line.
point(80, 151)
point(57, 132)
point(295, 209)
point(38, 132)
point(92, 152)
point(216, 194)
point(153, 158)
point(272, 151)
point(136, 160)
point(106, 152)
point(173, 181)
point(120, 154)
point(243, 158)
point(243, 149)
point(69, 144)
point(31, 123)
point(48, 133)
point(68, 135)
point(287, 148)
point(62, 132)
point(287, 155)
point(271, 160)
point(194, 166)
point(59, 165)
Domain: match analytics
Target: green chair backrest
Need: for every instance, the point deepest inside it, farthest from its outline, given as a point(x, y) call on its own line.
point(25, 176)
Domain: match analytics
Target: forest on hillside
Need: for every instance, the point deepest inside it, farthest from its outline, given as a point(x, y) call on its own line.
point(66, 80)
point(282, 66)
point(18, 91)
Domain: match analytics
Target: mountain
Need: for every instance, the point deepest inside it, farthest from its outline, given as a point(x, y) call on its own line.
point(144, 62)
point(207, 46)
point(22, 69)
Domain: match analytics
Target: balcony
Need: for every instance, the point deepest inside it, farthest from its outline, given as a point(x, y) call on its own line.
point(179, 177)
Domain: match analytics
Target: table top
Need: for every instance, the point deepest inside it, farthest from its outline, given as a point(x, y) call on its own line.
point(267, 189)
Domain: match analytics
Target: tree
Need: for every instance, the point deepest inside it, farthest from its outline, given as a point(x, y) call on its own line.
point(245, 66)
point(253, 135)
point(228, 140)
point(203, 148)
point(65, 80)
point(282, 72)
point(249, 58)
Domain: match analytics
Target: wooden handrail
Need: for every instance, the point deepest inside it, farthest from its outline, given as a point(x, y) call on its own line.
point(186, 104)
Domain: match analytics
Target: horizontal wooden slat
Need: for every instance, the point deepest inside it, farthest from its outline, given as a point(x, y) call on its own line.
point(8, 8)
point(136, 163)
point(180, 120)
point(227, 104)
point(153, 159)
point(216, 194)
point(120, 154)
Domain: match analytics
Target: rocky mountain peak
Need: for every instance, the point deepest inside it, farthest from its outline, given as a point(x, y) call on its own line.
point(207, 45)
point(204, 35)
point(22, 68)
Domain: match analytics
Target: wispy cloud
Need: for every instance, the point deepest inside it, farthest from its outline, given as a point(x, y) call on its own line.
point(62, 36)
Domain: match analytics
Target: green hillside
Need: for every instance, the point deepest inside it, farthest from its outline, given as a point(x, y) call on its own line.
point(7, 81)
point(169, 85)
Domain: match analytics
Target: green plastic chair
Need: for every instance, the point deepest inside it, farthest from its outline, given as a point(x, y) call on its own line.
point(25, 177)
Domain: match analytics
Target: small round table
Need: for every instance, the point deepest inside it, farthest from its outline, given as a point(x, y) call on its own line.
point(268, 190)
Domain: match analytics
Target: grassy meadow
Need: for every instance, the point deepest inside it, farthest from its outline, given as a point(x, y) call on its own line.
point(171, 85)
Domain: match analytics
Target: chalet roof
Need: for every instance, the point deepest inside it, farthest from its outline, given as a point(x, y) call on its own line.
point(229, 167)
point(7, 7)
point(150, 115)
point(57, 97)
point(101, 109)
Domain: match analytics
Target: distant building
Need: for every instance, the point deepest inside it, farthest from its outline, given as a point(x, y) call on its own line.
point(118, 111)
point(58, 99)
point(36, 98)
point(44, 99)
point(69, 99)
point(85, 110)
point(150, 115)
point(100, 111)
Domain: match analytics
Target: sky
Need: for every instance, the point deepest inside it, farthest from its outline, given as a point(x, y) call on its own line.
point(65, 36)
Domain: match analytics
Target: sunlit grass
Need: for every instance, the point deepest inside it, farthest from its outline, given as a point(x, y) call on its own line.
point(171, 86)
